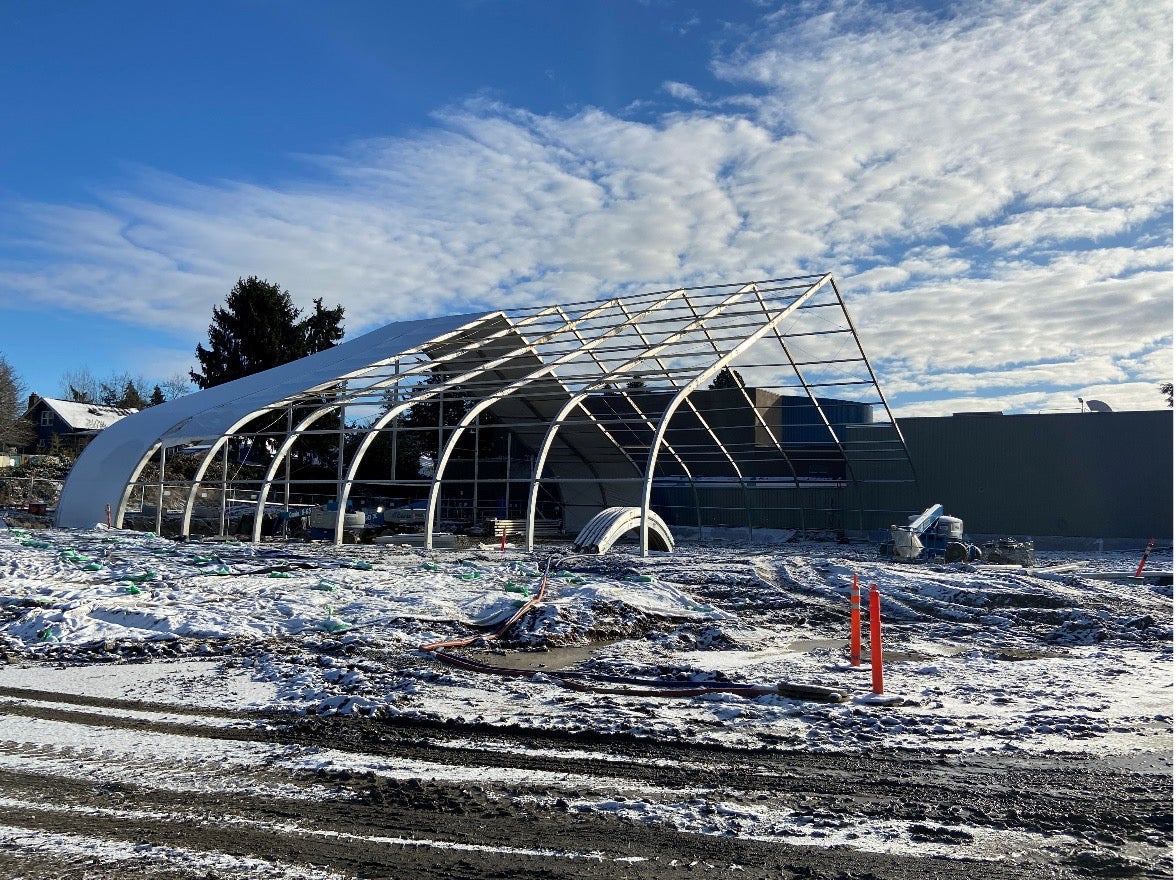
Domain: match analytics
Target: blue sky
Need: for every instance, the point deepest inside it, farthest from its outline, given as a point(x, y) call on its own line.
point(990, 182)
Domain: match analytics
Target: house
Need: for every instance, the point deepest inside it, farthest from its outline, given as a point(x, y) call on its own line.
point(67, 424)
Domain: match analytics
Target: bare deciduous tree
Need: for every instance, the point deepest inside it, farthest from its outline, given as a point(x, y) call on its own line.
point(14, 431)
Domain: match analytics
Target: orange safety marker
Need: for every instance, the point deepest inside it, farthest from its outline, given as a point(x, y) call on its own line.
point(502, 546)
point(1146, 553)
point(855, 624)
point(876, 637)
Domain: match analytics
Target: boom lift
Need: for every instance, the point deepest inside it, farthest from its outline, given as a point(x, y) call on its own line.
point(930, 534)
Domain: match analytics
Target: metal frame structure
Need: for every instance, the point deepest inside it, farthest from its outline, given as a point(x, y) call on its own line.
point(607, 400)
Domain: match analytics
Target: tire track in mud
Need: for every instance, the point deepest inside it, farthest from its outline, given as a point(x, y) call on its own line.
point(519, 803)
point(364, 838)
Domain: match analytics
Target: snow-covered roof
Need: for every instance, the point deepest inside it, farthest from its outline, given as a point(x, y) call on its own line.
point(108, 464)
point(87, 416)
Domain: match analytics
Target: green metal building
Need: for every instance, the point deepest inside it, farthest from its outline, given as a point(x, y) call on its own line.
point(1097, 475)
point(1089, 475)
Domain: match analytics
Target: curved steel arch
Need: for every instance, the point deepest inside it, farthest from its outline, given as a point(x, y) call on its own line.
point(615, 448)
point(373, 430)
point(692, 385)
point(369, 438)
point(610, 525)
point(126, 493)
point(206, 462)
point(115, 458)
point(518, 384)
point(622, 370)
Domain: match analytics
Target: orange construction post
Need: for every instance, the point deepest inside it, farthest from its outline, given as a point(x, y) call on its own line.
point(1146, 554)
point(876, 637)
point(855, 624)
point(502, 546)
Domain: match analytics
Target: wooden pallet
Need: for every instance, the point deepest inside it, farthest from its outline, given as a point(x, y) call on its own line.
point(544, 528)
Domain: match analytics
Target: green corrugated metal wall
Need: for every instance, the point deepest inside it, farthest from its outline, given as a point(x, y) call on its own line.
point(1081, 475)
point(761, 506)
point(1068, 474)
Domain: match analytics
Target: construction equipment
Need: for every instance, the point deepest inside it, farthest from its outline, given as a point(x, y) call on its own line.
point(930, 535)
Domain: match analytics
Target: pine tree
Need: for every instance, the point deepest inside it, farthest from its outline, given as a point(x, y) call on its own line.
point(131, 398)
point(259, 328)
point(323, 328)
point(727, 378)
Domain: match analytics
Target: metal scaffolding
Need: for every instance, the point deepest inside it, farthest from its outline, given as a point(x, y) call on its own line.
point(679, 401)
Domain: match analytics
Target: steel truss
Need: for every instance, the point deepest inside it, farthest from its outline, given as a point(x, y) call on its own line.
point(606, 400)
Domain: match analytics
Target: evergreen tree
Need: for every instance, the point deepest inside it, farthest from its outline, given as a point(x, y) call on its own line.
point(727, 378)
point(156, 396)
point(122, 390)
point(323, 328)
point(259, 328)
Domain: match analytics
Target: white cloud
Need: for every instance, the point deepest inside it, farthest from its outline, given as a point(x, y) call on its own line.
point(1052, 225)
point(939, 166)
point(682, 92)
point(1119, 396)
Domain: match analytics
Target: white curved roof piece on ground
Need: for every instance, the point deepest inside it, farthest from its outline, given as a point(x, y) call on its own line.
point(107, 465)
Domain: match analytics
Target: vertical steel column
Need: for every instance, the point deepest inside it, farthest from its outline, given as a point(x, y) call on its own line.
point(340, 504)
point(506, 498)
point(162, 470)
point(395, 422)
point(224, 495)
point(289, 429)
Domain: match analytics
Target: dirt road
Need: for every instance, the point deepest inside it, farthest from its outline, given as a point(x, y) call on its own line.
point(98, 788)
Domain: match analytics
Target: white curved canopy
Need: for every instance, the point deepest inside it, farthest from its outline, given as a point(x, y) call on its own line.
point(110, 462)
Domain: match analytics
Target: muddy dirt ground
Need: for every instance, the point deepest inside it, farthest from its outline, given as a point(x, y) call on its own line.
point(489, 804)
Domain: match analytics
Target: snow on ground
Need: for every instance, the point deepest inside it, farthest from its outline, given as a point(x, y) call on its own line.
point(175, 857)
point(984, 658)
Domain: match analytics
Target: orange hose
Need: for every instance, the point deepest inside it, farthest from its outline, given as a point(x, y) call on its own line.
point(527, 606)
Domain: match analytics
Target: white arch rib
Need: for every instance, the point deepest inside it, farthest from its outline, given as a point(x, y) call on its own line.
point(693, 384)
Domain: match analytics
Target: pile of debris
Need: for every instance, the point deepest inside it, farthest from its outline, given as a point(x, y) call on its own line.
point(38, 478)
point(1008, 551)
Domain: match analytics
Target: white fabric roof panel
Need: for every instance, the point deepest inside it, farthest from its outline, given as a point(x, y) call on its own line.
point(108, 463)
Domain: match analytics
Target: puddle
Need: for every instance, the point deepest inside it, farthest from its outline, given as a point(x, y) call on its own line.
point(548, 661)
point(803, 646)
